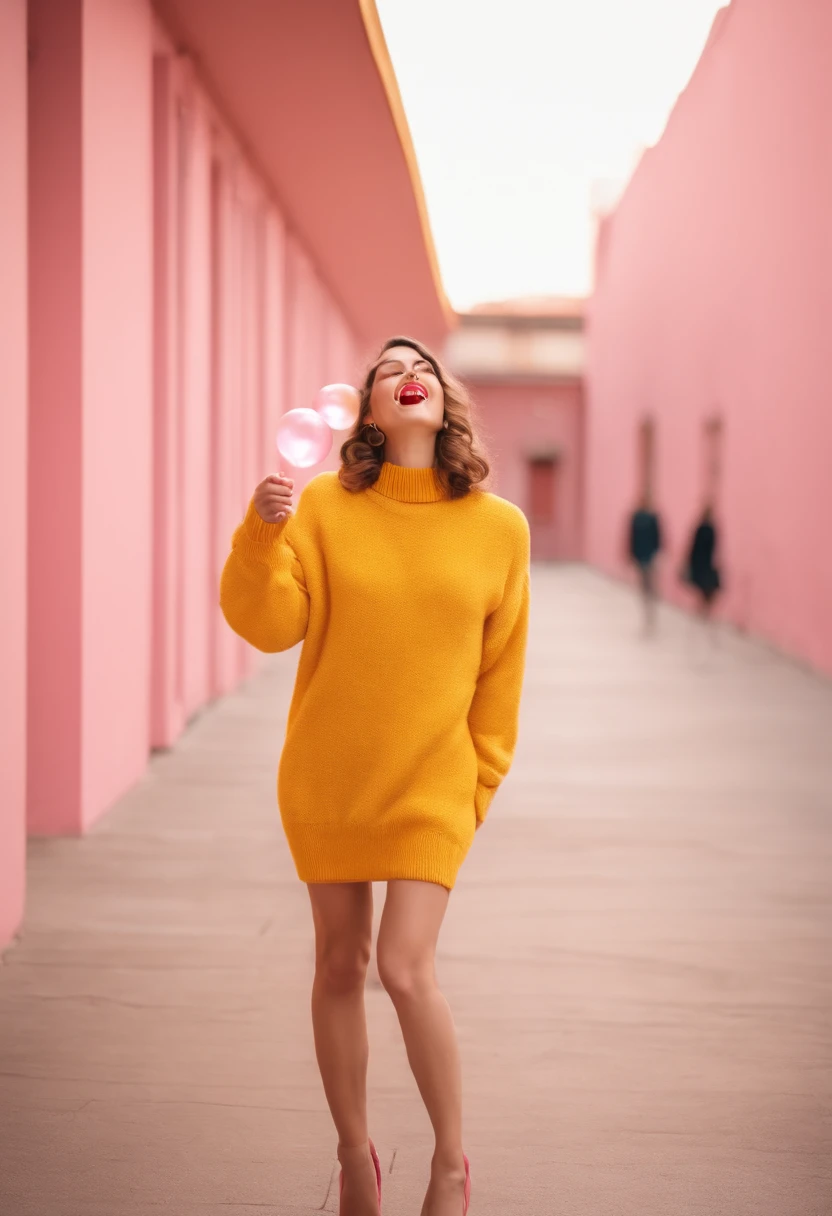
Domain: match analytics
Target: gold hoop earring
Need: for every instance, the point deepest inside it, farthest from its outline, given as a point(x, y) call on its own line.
point(373, 435)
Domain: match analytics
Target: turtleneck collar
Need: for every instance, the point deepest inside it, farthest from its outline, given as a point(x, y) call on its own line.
point(409, 485)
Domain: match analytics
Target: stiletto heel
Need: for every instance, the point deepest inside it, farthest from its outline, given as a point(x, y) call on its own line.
point(466, 1198)
point(377, 1167)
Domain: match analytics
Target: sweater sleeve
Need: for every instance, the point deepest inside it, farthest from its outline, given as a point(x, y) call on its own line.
point(263, 593)
point(493, 716)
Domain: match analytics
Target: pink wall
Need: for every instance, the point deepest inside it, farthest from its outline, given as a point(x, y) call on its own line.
point(90, 407)
point(167, 335)
point(713, 299)
point(117, 397)
point(183, 342)
point(55, 417)
point(13, 361)
point(172, 317)
point(521, 420)
point(244, 328)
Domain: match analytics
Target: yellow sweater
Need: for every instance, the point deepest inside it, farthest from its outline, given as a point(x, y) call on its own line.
point(412, 609)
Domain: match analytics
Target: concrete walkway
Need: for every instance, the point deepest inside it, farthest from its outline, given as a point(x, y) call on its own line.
point(638, 956)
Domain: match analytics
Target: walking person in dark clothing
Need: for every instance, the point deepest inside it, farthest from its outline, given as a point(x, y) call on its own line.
point(701, 571)
point(644, 546)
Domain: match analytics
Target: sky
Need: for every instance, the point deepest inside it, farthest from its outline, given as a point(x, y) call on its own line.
point(516, 108)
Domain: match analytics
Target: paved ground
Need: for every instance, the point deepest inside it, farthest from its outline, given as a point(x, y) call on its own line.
point(638, 955)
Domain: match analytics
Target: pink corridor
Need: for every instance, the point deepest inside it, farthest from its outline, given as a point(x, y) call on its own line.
point(213, 195)
point(200, 204)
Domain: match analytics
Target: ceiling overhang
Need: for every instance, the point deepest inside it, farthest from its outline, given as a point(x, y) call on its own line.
point(310, 90)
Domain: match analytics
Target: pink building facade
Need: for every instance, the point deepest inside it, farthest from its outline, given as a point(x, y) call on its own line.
point(199, 206)
point(707, 332)
point(13, 507)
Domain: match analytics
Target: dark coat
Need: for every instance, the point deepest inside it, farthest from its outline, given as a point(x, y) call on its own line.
point(645, 536)
point(702, 571)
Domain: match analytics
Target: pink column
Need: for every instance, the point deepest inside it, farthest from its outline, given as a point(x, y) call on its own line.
point(167, 710)
point(196, 353)
point(200, 604)
point(274, 333)
point(255, 466)
point(55, 417)
point(90, 419)
point(13, 360)
point(228, 493)
point(117, 234)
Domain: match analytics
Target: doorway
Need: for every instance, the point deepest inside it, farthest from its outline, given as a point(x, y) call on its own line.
point(542, 497)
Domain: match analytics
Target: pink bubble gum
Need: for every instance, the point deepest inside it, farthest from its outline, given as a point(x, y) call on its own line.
point(303, 438)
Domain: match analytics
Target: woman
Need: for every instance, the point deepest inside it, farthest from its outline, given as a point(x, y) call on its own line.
point(408, 585)
point(701, 570)
point(645, 542)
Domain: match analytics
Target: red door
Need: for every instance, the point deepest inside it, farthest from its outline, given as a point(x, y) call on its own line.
point(542, 497)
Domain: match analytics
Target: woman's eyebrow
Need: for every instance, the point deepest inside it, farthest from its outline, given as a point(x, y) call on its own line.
point(420, 362)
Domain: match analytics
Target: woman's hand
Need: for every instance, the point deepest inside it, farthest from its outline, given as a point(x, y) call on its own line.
point(273, 499)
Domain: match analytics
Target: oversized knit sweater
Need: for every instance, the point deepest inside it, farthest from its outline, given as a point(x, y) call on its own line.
point(412, 608)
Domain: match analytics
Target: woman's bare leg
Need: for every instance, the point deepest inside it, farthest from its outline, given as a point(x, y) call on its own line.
point(648, 599)
point(710, 621)
point(410, 924)
point(343, 916)
point(706, 617)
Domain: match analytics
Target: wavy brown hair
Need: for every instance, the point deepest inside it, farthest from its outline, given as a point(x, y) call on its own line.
point(459, 456)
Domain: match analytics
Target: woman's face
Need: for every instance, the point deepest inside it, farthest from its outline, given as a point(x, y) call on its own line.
point(406, 393)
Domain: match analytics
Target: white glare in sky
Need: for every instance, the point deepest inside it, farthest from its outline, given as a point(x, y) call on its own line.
point(517, 109)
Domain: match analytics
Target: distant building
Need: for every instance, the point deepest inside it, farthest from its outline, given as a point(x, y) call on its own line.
point(524, 361)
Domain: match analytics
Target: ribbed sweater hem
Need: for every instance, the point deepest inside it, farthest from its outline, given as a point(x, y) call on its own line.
point(325, 854)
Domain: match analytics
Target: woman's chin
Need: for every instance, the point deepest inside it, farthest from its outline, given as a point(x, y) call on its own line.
point(412, 419)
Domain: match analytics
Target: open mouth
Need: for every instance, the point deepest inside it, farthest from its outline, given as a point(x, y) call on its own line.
point(412, 394)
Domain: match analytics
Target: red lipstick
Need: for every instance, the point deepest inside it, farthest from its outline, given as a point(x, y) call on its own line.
point(412, 393)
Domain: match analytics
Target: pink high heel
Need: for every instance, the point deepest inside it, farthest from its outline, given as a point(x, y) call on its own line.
point(466, 1197)
point(377, 1165)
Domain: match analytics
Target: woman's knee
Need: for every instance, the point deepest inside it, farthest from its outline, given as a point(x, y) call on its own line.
point(405, 978)
point(341, 967)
